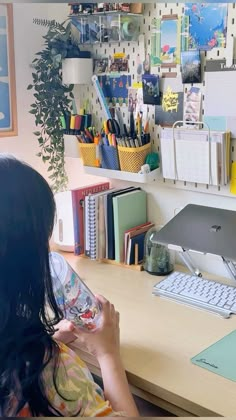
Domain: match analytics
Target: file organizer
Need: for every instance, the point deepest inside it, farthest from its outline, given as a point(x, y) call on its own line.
point(192, 155)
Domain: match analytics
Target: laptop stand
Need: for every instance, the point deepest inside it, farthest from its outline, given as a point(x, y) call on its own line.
point(188, 261)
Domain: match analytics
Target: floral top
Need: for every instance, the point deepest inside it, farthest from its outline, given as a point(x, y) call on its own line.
point(82, 396)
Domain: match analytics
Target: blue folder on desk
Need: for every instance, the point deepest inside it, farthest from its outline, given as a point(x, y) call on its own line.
point(220, 357)
point(110, 219)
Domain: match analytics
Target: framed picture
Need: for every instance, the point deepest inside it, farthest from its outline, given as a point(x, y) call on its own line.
point(8, 113)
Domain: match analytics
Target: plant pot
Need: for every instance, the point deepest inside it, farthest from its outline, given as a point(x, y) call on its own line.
point(71, 146)
point(77, 71)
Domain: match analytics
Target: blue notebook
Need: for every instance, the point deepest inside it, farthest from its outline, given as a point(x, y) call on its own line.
point(138, 239)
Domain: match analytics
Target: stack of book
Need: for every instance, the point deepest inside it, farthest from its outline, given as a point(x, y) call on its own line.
point(110, 223)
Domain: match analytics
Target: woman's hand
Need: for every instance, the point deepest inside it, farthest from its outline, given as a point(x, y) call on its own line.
point(65, 332)
point(105, 341)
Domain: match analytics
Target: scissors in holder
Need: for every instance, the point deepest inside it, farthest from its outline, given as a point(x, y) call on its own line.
point(113, 127)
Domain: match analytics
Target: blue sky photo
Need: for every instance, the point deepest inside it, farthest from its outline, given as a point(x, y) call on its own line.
point(3, 56)
point(3, 22)
point(4, 106)
point(169, 33)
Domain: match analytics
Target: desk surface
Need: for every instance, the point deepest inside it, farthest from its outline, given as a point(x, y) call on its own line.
point(158, 338)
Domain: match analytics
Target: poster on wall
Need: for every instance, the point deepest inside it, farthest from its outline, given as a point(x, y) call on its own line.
point(207, 25)
point(7, 74)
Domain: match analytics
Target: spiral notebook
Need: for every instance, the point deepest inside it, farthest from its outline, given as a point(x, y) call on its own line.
point(95, 233)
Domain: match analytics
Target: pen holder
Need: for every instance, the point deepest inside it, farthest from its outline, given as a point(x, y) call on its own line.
point(109, 157)
point(132, 158)
point(88, 153)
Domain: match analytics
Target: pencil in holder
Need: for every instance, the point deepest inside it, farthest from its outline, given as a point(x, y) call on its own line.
point(109, 157)
point(88, 153)
point(132, 158)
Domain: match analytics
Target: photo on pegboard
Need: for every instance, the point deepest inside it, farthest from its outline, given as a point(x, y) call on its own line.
point(132, 99)
point(115, 88)
point(192, 105)
point(100, 65)
point(191, 67)
point(171, 108)
point(151, 89)
point(207, 25)
point(119, 62)
point(169, 36)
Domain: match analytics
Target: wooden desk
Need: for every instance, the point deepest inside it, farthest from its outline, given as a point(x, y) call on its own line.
point(158, 338)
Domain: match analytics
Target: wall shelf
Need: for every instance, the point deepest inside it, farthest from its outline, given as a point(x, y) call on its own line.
point(122, 175)
point(106, 27)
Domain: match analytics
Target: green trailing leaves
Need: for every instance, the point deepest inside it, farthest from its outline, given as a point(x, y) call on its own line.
point(52, 98)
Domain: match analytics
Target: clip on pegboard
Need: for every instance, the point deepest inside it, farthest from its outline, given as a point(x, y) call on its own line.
point(184, 123)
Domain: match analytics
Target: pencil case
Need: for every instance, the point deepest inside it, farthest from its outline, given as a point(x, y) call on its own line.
point(132, 158)
point(109, 157)
point(88, 153)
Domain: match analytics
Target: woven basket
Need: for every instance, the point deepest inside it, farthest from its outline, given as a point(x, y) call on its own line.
point(88, 153)
point(132, 158)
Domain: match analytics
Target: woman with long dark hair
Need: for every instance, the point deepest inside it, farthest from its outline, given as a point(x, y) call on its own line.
point(39, 375)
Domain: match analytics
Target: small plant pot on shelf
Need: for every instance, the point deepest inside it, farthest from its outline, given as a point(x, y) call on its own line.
point(132, 158)
point(77, 71)
point(71, 146)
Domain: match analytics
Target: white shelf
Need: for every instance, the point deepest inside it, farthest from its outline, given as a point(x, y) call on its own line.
point(125, 176)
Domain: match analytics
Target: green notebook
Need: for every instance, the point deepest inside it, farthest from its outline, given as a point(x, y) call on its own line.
point(129, 210)
point(220, 357)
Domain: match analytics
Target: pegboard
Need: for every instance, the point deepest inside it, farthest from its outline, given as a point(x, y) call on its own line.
point(132, 49)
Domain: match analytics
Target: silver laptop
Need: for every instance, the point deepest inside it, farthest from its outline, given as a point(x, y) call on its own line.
point(203, 229)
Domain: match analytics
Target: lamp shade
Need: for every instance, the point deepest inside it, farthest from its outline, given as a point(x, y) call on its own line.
point(77, 71)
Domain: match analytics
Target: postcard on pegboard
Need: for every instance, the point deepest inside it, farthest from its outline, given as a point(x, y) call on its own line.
point(207, 25)
point(171, 108)
point(151, 89)
point(191, 67)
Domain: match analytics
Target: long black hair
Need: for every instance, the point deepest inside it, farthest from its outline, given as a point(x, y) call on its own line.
point(27, 211)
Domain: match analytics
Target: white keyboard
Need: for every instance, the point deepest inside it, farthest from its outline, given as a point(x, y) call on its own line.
point(198, 292)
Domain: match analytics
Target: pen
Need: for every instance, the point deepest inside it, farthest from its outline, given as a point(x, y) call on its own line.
point(77, 123)
point(97, 160)
point(72, 122)
point(63, 122)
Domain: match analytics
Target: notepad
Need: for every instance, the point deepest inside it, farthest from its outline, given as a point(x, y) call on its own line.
point(220, 357)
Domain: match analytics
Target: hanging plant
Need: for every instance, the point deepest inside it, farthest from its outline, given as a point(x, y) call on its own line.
point(52, 98)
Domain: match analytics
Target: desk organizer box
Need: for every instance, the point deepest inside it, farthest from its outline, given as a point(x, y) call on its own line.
point(132, 158)
point(109, 157)
point(88, 153)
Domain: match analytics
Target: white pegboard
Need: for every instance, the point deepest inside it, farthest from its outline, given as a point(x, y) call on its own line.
point(132, 49)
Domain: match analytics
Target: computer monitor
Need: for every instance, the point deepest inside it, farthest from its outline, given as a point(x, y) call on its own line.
point(204, 229)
